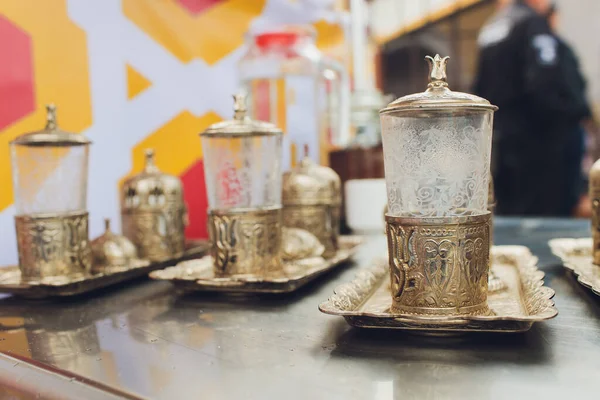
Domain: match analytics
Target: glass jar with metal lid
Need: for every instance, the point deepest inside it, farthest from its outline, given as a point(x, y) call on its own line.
point(49, 170)
point(312, 201)
point(242, 166)
point(153, 212)
point(437, 147)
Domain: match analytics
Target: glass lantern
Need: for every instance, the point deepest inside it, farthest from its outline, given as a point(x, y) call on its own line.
point(242, 166)
point(49, 169)
point(437, 147)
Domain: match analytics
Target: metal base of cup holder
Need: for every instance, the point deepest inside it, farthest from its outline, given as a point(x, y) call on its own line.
point(440, 265)
point(245, 241)
point(53, 245)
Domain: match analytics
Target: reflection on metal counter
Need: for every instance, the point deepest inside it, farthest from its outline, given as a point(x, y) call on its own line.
point(157, 343)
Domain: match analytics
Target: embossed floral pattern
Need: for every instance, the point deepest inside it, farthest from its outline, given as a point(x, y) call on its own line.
point(438, 167)
point(439, 268)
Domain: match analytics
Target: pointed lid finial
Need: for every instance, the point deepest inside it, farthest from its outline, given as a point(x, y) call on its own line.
point(150, 165)
point(438, 97)
point(241, 125)
point(106, 225)
point(51, 117)
point(306, 161)
point(51, 135)
point(437, 71)
point(239, 106)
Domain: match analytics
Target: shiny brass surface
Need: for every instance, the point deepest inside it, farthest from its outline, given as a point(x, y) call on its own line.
point(198, 275)
point(241, 124)
point(312, 198)
point(297, 244)
point(438, 97)
point(366, 301)
point(577, 255)
point(112, 252)
point(51, 135)
point(311, 184)
point(153, 212)
point(594, 193)
point(245, 241)
point(64, 286)
point(53, 246)
point(439, 266)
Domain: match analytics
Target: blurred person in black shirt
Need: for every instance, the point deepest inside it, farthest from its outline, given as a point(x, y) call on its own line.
point(523, 69)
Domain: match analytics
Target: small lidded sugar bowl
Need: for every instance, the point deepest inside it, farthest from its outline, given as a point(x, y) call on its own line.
point(242, 167)
point(112, 252)
point(312, 199)
point(437, 148)
point(49, 169)
point(153, 212)
point(594, 193)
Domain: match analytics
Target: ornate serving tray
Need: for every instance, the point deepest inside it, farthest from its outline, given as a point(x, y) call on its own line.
point(198, 274)
point(576, 255)
point(365, 302)
point(10, 277)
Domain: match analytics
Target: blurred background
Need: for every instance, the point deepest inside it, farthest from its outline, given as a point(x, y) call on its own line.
point(137, 74)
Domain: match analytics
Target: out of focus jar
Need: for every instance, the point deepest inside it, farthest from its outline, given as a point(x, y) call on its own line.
point(153, 212)
point(242, 167)
point(294, 86)
point(49, 169)
point(594, 193)
point(312, 199)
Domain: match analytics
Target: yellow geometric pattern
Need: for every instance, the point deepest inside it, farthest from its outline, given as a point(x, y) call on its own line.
point(136, 82)
point(328, 35)
point(210, 35)
point(60, 74)
point(177, 143)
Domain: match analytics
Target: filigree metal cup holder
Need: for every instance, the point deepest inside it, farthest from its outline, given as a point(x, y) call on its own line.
point(53, 246)
point(246, 241)
point(439, 266)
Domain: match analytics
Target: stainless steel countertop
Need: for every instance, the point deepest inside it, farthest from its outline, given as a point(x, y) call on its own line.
point(148, 340)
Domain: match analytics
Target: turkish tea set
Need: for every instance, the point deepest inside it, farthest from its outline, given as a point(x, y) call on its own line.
point(269, 232)
point(272, 233)
point(436, 279)
point(56, 258)
point(262, 238)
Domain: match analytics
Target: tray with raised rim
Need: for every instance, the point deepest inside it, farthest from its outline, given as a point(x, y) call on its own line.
point(198, 275)
point(365, 302)
point(10, 277)
point(576, 255)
